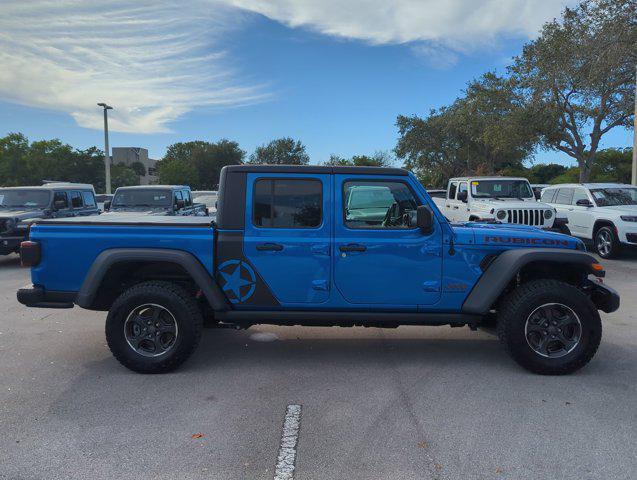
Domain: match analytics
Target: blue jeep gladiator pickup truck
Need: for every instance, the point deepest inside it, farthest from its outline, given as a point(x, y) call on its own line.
point(319, 245)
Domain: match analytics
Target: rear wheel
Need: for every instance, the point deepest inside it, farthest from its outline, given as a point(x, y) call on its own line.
point(606, 242)
point(153, 327)
point(549, 327)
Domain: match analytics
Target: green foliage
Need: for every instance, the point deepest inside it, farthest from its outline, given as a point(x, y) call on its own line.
point(24, 163)
point(613, 165)
point(123, 176)
point(282, 151)
point(578, 79)
point(138, 168)
point(482, 132)
point(198, 163)
point(177, 172)
point(378, 159)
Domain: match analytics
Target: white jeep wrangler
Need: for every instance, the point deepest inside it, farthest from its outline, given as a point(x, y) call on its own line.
point(497, 199)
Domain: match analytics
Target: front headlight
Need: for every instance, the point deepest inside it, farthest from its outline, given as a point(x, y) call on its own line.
point(548, 214)
point(629, 218)
point(501, 215)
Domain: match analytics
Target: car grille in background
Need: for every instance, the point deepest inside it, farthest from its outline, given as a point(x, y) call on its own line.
point(525, 217)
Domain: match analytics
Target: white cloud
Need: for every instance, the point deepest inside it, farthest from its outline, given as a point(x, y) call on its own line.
point(438, 27)
point(150, 59)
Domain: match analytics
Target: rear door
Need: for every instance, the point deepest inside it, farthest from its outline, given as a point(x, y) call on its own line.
point(379, 259)
point(562, 202)
point(288, 230)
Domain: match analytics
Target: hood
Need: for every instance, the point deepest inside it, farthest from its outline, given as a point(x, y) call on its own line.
point(20, 214)
point(621, 209)
point(138, 211)
point(489, 203)
point(513, 235)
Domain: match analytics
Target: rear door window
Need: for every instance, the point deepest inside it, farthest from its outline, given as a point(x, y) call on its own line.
point(548, 195)
point(89, 199)
point(60, 200)
point(453, 187)
point(287, 203)
point(564, 196)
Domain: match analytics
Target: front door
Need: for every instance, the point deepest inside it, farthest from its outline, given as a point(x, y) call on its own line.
point(378, 258)
point(288, 233)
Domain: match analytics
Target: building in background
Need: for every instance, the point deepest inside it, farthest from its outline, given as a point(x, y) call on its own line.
point(132, 155)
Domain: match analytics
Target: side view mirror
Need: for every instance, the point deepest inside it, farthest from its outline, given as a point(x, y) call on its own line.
point(59, 205)
point(107, 205)
point(424, 218)
point(180, 204)
point(462, 196)
point(584, 202)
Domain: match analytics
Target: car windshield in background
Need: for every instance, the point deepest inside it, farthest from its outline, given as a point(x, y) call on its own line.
point(501, 189)
point(24, 198)
point(610, 197)
point(142, 198)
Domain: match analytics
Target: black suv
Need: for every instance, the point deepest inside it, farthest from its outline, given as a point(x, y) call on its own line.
point(21, 206)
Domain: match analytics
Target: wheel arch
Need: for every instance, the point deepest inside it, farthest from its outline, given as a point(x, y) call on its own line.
point(602, 222)
point(526, 265)
point(113, 268)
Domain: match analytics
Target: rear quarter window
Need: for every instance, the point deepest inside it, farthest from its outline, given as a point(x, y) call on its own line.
point(548, 195)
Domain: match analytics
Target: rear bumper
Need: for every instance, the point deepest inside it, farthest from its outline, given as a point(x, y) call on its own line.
point(34, 296)
point(10, 244)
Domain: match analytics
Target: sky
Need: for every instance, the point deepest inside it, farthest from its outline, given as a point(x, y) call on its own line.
point(332, 74)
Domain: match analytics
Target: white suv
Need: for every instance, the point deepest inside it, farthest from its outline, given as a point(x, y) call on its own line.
point(496, 199)
point(603, 212)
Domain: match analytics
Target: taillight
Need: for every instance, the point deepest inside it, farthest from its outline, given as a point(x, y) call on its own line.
point(30, 254)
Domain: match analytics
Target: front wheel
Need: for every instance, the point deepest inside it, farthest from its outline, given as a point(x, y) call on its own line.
point(606, 242)
point(153, 327)
point(549, 327)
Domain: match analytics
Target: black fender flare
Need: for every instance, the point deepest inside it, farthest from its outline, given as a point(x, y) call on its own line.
point(506, 265)
point(187, 261)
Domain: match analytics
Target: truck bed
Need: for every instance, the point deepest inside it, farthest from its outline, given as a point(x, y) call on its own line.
point(70, 246)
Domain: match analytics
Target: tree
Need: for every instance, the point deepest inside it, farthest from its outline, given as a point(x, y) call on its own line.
point(138, 168)
point(613, 165)
point(378, 159)
point(282, 151)
point(123, 176)
point(206, 158)
point(482, 132)
point(578, 77)
point(545, 172)
point(14, 169)
point(178, 172)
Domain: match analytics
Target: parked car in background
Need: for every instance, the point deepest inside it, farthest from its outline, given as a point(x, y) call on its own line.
point(21, 206)
point(155, 200)
point(497, 199)
point(537, 189)
point(207, 197)
point(437, 192)
point(605, 213)
point(102, 199)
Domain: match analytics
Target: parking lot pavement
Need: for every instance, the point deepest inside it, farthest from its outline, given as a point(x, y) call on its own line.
point(419, 403)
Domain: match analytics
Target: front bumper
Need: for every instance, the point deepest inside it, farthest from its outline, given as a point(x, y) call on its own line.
point(34, 296)
point(10, 244)
point(604, 297)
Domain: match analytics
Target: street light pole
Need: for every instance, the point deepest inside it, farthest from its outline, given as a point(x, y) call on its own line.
point(634, 176)
point(107, 160)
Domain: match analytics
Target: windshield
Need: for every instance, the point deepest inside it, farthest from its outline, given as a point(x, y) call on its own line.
point(142, 198)
point(24, 198)
point(610, 197)
point(501, 189)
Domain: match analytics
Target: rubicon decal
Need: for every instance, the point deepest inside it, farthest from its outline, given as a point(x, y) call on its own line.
point(526, 241)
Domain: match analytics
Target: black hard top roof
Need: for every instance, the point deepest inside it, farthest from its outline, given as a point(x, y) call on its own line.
point(317, 169)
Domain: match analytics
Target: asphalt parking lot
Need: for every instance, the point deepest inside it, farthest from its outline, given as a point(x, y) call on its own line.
point(410, 403)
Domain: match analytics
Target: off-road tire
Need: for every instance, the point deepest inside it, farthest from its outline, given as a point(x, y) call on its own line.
point(174, 298)
point(614, 247)
point(518, 305)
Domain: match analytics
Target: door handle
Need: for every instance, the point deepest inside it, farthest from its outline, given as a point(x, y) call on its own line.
point(455, 207)
point(352, 247)
point(269, 247)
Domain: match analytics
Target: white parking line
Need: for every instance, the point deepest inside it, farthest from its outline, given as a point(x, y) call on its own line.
point(289, 438)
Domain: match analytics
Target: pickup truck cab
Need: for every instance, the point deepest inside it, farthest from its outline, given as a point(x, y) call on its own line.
point(21, 206)
point(154, 200)
point(319, 245)
point(497, 199)
point(605, 213)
